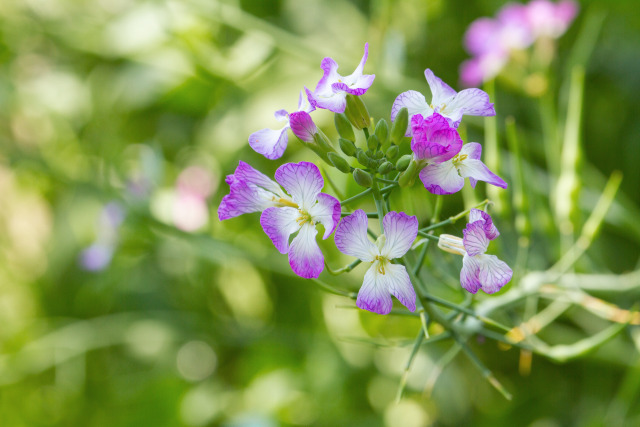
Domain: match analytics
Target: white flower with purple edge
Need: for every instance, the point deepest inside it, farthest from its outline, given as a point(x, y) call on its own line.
point(332, 89)
point(271, 143)
point(285, 214)
point(383, 278)
point(445, 101)
point(448, 177)
point(479, 270)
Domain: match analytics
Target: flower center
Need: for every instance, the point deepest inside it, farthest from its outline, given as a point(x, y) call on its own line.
point(304, 218)
point(459, 158)
point(381, 263)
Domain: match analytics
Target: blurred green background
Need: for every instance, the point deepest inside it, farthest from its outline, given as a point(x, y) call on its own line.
point(173, 318)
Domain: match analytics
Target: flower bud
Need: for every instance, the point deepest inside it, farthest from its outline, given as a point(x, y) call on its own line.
point(344, 128)
point(302, 126)
point(385, 168)
point(451, 244)
point(408, 177)
point(382, 132)
point(400, 124)
point(403, 162)
point(362, 178)
point(339, 162)
point(372, 143)
point(347, 147)
point(363, 159)
point(378, 155)
point(357, 112)
point(393, 152)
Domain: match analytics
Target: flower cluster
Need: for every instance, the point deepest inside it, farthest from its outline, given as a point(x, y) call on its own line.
point(517, 26)
point(293, 205)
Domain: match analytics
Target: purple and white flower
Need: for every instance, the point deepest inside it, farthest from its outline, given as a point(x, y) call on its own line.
point(434, 140)
point(271, 143)
point(549, 19)
point(332, 89)
point(383, 278)
point(479, 270)
point(445, 101)
point(448, 177)
point(283, 214)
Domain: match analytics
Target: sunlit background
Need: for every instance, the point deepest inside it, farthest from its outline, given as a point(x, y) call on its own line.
point(124, 301)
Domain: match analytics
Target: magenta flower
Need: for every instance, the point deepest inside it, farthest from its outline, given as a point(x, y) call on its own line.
point(433, 139)
point(445, 101)
point(332, 89)
point(271, 143)
point(285, 214)
point(479, 270)
point(383, 278)
point(448, 177)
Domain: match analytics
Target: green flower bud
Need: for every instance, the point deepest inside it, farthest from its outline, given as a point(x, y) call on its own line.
point(385, 168)
point(357, 112)
point(339, 162)
point(378, 155)
point(400, 124)
point(362, 178)
point(347, 147)
point(408, 177)
point(372, 143)
point(403, 162)
point(344, 128)
point(382, 132)
point(363, 159)
point(393, 152)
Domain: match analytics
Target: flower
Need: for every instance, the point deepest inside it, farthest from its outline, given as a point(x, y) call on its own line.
point(98, 255)
point(285, 214)
point(479, 270)
point(433, 139)
point(548, 19)
point(332, 89)
point(271, 143)
point(383, 278)
point(445, 101)
point(448, 177)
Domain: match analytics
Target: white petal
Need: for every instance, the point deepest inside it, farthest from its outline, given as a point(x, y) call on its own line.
point(351, 237)
point(441, 91)
point(475, 240)
point(327, 212)
point(494, 273)
point(475, 170)
point(302, 181)
point(396, 279)
point(374, 295)
point(414, 102)
point(400, 230)
point(441, 178)
point(279, 224)
point(270, 143)
point(305, 257)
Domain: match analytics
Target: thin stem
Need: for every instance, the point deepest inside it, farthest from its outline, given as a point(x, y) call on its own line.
point(333, 290)
point(428, 236)
point(468, 311)
point(345, 269)
point(369, 214)
point(367, 191)
point(454, 218)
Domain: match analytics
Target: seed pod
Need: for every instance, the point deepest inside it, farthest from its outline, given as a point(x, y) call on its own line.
point(339, 162)
point(385, 168)
point(362, 178)
point(344, 128)
point(393, 152)
point(382, 132)
point(347, 147)
point(373, 142)
point(400, 124)
point(403, 162)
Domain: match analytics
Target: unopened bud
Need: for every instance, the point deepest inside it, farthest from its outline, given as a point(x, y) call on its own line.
point(372, 143)
point(302, 126)
point(378, 155)
point(385, 168)
point(451, 244)
point(339, 162)
point(357, 112)
point(363, 159)
point(403, 162)
point(362, 178)
point(393, 152)
point(382, 132)
point(400, 124)
point(344, 128)
point(347, 147)
point(407, 178)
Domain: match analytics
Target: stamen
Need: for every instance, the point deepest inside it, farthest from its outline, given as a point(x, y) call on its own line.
point(381, 262)
point(285, 202)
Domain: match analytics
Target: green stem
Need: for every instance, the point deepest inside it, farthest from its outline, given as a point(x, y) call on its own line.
point(369, 214)
point(345, 269)
point(454, 218)
point(359, 196)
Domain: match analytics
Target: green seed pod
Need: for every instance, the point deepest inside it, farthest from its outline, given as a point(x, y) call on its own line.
point(372, 143)
point(403, 162)
point(382, 132)
point(393, 152)
point(408, 177)
point(363, 159)
point(399, 127)
point(339, 162)
point(344, 128)
point(362, 178)
point(347, 147)
point(385, 168)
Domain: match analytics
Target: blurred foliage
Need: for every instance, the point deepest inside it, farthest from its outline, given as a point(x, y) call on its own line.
point(194, 322)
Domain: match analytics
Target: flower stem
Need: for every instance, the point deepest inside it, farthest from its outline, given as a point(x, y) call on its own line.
point(454, 218)
point(345, 269)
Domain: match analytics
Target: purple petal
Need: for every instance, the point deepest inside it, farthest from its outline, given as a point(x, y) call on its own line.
point(475, 240)
point(397, 281)
point(360, 68)
point(270, 143)
point(473, 168)
point(96, 257)
point(359, 87)
point(433, 139)
point(489, 228)
point(414, 102)
point(281, 115)
point(483, 68)
point(246, 173)
point(304, 103)
point(482, 36)
point(374, 295)
point(305, 257)
point(400, 230)
point(326, 211)
point(302, 126)
point(469, 274)
point(515, 27)
point(351, 237)
point(330, 74)
point(551, 20)
point(440, 91)
point(244, 198)
point(279, 224)
point(441, 178)
point(302, 181)
point(494, 273)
